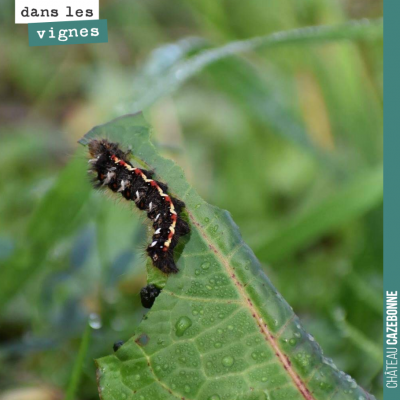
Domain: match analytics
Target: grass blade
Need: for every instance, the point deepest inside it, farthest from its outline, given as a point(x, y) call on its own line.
point(169, 81)
point(78, 366)
point(355, 199)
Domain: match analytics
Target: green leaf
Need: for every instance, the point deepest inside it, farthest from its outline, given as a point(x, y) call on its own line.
point(219, 330)
point(357, 197)
point(172, 78)
point(59, 212)
point(360, 340)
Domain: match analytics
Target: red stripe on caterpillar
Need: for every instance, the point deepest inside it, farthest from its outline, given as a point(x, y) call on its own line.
point(113, 170)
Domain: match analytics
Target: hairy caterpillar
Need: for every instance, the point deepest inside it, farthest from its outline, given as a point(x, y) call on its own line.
point(113, 170)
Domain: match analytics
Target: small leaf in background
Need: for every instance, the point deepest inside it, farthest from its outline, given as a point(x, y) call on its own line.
point(354, 199)
point(60, 212)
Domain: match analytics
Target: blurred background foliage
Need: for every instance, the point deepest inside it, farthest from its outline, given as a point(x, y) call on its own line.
point(288, 139)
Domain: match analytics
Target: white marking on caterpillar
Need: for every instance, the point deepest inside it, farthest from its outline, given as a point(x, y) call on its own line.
point(110, 175)
point(121, 183)
point(123, 186)
point(171, 229)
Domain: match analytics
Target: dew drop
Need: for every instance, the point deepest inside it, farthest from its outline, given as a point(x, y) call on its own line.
point(94, 321)
point(187, 389)
point(228, 361)
point(214, 397)
point(182, 325)
point(217, 345)
point(205, 265)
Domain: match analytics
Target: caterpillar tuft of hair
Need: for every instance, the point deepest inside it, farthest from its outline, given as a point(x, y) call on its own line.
point(113, 170)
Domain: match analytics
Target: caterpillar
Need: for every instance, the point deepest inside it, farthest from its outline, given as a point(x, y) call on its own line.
point(112, 169)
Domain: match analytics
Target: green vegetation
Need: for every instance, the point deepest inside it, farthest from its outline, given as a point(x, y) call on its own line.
point(219, 329)
point(288, 138)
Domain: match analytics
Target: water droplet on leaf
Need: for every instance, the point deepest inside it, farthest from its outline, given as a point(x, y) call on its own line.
point(228, 361)
point(182, 325)
point(205, 265)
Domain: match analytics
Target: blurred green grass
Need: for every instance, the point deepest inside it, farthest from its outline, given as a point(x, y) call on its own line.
point(289, 140)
